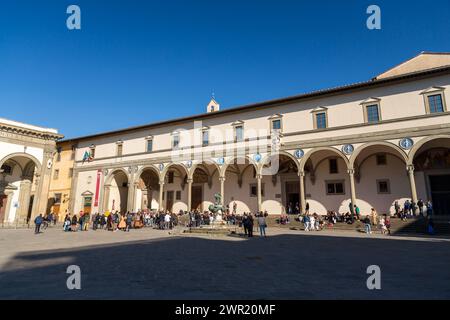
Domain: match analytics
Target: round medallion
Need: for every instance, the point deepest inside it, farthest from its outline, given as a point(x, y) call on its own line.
point(189, 163)
point(406, 143)
point(49, 163)
point(220, 161)
point(299, 153)
point(257, 157)
point(161, 167)
point(348, 149)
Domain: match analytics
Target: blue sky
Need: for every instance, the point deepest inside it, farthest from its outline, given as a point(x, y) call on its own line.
point(136, 62)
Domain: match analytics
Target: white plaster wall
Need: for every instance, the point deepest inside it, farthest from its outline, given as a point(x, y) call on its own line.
point(366, 190)
point(320, 202)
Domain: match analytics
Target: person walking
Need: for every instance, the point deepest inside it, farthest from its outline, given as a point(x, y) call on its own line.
point(387, 222)
point(262, 224)
point(38, 221)
point(129, 222)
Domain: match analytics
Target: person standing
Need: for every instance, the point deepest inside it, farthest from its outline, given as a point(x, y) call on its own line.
point(420, 205)
point(367, 225)
point(250, 225)
point(387, 222)
point(244, 223)
point(86, 221)
point(307, 208)
point(357, 212)
point(38, 221)
point(374, 217)
point(429, 209)
point(129, 221)
point(397, 209)
point(262, 224)
point(234, 207)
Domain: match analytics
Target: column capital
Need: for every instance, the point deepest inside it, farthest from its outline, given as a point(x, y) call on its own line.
point(301, 174)
point(351, 171)
point(259, 176)
point(161, 183)
point(222, 179)
point(410, 168)
point(189, 180)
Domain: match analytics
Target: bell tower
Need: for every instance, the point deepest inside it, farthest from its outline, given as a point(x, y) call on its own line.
point(213, 106)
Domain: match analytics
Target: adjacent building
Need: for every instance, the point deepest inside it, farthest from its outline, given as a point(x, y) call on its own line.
point(26, 153)
point(371, 143)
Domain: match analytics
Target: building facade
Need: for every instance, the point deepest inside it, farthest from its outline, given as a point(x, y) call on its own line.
point(371, 144)
point(59, 196)
point(26, 154)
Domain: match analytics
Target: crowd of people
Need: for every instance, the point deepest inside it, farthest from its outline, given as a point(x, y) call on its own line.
point(165, 220)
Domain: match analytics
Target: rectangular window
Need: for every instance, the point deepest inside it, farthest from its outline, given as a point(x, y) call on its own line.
point(254, 190)
point(381, 159)
point(435, 103)
point(70, 172)
point(170, 177)
point(119, 150)
point(57, 198)
point(321, 120)
point(150, 145)
point(92, 153)
point(205, 138)
point(335, 188)
point(383, 187)
point(175, 141)
point(87, 202)
point(276, 124)
point(56, 174)
point(239, 133)
point(58, 156)
point(373, 115)
point(72, 155)
point(178, 195)
point(333, 166)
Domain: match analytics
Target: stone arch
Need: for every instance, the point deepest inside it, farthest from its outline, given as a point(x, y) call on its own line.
point(397, 150)
point(112, 174)
point(230, 161)
point(417, 146)
point(144, 168)
point(203, 163)
point(315, 150)
point(176, 166)
point(21, 154)
point(279, 153)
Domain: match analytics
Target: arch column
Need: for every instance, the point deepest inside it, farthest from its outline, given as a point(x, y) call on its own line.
point(106, 193)
point(412, 182)
point(24, 200)
point(351, 173)
point(259, 195)
point(301, 176)
point(189, 204)
point(161, 191)
point(222, 189)
point(131, 196)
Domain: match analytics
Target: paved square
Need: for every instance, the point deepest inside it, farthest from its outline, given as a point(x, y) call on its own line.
point(154, 264)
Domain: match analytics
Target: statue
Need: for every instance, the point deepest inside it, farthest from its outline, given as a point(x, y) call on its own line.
point(217, 208)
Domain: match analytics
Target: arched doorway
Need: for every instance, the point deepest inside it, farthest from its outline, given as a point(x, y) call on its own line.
point(280, 184)
point(327, 182)
point(381, 177)
point(116, 191)
point(431, 162)
point(17, 188)
point(205, 183)
point(175, 180)
point(147, 193)
point(241, 185)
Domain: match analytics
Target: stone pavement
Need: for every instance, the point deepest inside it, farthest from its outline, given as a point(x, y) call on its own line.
point(153, 264)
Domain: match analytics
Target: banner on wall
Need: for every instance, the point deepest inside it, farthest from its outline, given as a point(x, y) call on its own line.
point(97, 188)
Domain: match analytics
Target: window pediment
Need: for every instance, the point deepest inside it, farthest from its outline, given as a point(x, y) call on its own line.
point(371, 100)
point(319, 109)
point(433, 89)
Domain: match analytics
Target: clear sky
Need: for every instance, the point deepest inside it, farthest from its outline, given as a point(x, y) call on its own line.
point(136, 62)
